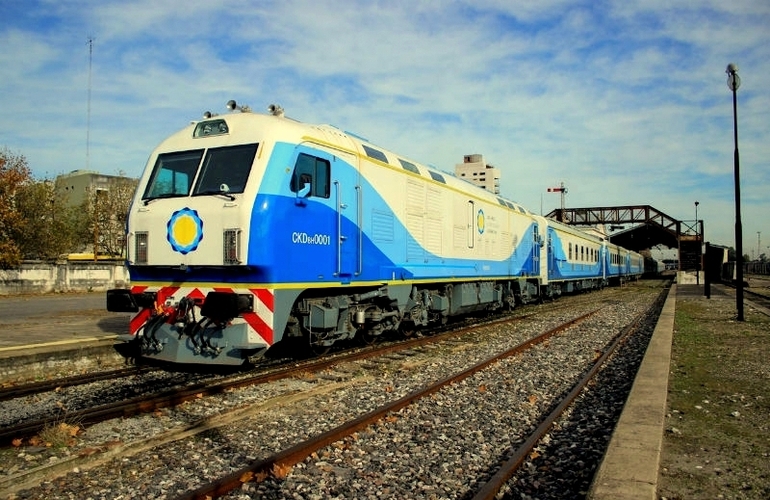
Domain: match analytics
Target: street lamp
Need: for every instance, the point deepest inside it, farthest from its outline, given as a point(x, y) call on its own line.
point(733, 82)
point(697, 263)
point(759, 243)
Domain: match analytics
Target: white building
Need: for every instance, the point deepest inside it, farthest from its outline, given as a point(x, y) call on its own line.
point(475, 170)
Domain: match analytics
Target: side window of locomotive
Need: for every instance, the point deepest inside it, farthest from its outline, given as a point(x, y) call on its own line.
point(173, 174)
point(226, 170)
point(314, 171)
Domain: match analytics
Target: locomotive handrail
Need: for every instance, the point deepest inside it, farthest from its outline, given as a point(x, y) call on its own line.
point(339, 229)
point(360, 217)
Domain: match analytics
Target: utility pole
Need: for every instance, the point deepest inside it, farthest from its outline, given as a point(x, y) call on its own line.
point(96, 225)
point(88, 119)
point(759, 244)
point(90, 44)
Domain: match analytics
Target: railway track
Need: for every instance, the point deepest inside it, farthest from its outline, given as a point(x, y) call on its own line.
point(370, 369)
point(291, 456)
point(490, 488)
point(146, 403)
point(283, 460)
point(18, 391)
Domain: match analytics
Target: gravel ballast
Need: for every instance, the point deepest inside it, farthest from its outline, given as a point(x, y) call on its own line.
point(439, 447)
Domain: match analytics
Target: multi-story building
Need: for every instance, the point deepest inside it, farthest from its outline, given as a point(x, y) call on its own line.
point(108, 198)
point(78, 183)
point(475, 170)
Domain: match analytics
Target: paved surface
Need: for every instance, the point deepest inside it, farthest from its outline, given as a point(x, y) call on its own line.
point(56, 321)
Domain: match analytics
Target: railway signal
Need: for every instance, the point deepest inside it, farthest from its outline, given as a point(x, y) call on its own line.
point(563, 190)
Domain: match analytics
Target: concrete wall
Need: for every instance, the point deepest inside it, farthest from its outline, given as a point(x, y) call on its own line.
point(690, 277)
point(43, 277)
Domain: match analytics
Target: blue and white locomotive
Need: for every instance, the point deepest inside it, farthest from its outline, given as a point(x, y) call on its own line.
point(248, 229)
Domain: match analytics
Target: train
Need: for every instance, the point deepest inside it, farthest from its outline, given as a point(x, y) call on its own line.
point(252, 229)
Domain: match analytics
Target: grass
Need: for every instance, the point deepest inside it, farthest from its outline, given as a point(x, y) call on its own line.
point(717, 442)
point(59, 435)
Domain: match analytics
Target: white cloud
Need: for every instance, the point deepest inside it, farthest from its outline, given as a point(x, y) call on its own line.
point(626, 103)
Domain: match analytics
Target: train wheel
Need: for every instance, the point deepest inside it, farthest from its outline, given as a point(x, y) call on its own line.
point(366, 337)
point(315, 345)
point(407, 329)
point(319, 349)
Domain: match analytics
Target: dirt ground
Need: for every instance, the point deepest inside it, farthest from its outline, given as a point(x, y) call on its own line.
point(717, 439)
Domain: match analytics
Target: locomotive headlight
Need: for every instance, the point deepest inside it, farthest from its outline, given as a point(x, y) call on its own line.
point(141, 247)
point(211, 127)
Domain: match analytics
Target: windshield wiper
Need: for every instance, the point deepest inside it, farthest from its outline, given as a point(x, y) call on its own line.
point(146, 201)
point(224, 190)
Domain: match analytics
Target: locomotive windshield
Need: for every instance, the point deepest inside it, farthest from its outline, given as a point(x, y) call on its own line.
point(223, 171)
point(228, 166)
point(173, 174)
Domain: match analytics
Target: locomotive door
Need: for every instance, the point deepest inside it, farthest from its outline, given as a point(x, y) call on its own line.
point(535, 250)
point(551, 256)
point(347, 196)
point(326, 231)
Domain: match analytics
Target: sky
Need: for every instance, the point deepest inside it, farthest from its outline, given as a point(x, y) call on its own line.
point(624, 102)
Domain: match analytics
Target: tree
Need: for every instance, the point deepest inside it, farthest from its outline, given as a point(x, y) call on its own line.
point(37, 222)
point(102, 216)
point(48, 221)
point(14, 176)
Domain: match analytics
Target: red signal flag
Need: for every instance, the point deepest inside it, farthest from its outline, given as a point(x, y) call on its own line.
point(556, 190)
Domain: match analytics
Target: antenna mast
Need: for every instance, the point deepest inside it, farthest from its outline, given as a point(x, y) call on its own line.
point(88, 120)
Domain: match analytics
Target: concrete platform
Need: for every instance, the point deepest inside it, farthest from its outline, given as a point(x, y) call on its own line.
point(55, 322)
point(41, 332)
point(630, 466)
point(630, 469)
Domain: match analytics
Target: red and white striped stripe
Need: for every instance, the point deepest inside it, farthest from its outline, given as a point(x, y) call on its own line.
point(261, 320)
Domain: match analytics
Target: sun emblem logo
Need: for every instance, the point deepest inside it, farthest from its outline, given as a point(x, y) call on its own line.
point(184, 230)
point(480, 221)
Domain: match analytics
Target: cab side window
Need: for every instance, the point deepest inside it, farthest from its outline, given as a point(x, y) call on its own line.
point(313, 171)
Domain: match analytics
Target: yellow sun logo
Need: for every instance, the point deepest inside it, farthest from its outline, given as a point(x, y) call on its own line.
point(184, 230)
point(480, 221)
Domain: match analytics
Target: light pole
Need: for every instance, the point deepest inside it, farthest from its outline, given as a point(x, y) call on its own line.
point(759, 243)
point(733, 82)
point(697, 263)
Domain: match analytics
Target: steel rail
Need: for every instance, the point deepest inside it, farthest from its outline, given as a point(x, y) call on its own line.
point(18, 391)
point(490, 489)
point(262, 468)
point(173, 397)
point(754, 297)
